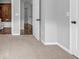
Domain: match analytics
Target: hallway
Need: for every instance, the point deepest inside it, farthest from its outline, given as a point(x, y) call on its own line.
point(27, 47)
point(27, 29)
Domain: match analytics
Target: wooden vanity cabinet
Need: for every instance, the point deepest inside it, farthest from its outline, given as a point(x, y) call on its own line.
point(5, 12)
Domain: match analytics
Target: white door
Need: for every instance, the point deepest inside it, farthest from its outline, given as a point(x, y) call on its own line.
point(77, 31)
point(74, 27)
point(36, 17)
point(77, 39)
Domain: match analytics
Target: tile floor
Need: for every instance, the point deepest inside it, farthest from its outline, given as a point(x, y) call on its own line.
point(27, 47)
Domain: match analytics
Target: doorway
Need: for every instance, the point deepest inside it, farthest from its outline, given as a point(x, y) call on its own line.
point(5, 17)
point(26, 18)
point(30, 15)
point(27, 22)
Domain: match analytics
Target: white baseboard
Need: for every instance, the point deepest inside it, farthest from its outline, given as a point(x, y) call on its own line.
point(55, 43)
point(49, 43)
point(15, 34)
point(67, 50)
point(78, 56)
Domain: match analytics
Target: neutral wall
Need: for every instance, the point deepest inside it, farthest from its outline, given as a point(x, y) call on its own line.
point(56, 20)
point(63, 23)
point(43, 13)
point(48, 23)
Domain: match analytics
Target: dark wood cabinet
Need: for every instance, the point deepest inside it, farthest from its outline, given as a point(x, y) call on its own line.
point(5, 12)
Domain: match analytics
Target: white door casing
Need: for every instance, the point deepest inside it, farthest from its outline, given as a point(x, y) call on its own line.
point(36, 17)
point(77, 31)
point(15, 17)
point(74, 28)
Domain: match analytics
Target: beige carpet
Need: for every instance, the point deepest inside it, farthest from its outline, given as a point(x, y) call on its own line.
point(27, 47)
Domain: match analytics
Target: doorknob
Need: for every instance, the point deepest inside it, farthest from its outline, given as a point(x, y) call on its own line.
point(73, 22)
point(37, 19)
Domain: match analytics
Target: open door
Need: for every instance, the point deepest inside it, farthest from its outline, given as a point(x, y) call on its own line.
point(74, 27)
point(36, 19)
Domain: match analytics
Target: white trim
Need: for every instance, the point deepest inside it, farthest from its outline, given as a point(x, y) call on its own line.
point(78, 56)
point(19, 16)
point(12, 22)
point(55, 43)
point(12, 17)
point(67, 50)
point(35, 37)
point(49, 43)
point(73, 39)
point(15, 34)
point(70, 27)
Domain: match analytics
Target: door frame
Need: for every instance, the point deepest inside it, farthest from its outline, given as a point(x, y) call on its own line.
point(13, 30)
point(12, 24)
point(73, 27)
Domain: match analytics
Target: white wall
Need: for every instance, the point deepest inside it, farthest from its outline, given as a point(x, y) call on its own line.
point(63, 23)
point(54, 16)
point(43, 13)
point(50, 22)
point(49, 30)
